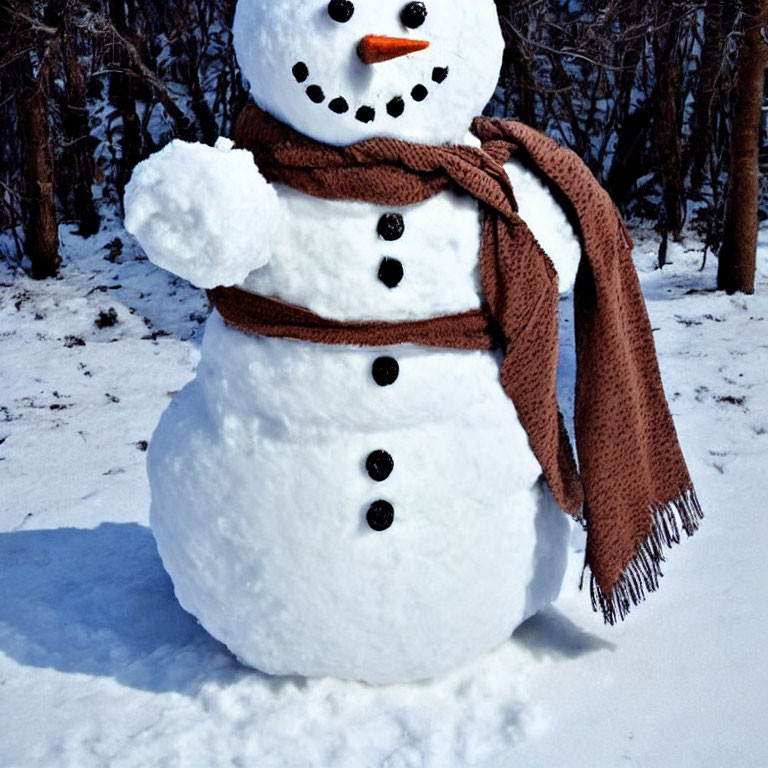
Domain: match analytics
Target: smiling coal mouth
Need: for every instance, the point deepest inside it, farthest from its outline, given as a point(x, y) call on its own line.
point(364, 113)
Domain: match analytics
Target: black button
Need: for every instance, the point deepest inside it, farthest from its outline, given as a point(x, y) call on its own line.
point(380, 465)
point(385, 371)
point(439, 74)
point(366, 114)
point(390, 272)
point(396, 106)
point(391, 226)
point(381, 515)
point(419, 93)
point(300, 71)
point(315, 93)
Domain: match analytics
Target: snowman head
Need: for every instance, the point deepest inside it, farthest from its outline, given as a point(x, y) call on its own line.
point(347, 70)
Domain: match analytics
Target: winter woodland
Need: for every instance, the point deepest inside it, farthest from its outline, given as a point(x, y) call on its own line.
point(647, 93)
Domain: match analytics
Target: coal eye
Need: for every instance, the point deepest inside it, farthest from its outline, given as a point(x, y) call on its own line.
point(342, 10)
point(414, 15)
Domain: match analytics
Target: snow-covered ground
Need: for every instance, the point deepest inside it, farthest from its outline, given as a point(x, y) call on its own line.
point(99, 666)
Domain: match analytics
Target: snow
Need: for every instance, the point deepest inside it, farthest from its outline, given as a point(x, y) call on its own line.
point(257, 470)
point(260, 520)
point(326, 253)
point(98, 663)
point(99, 666)
point(272, 36)
point(203, 213)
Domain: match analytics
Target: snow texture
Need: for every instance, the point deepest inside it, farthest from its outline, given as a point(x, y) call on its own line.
point(258, 469)
point(259, 497)
point(326, 254)
point(100, 667)
point(258, 477)
point(272, 36)
point(203, 213)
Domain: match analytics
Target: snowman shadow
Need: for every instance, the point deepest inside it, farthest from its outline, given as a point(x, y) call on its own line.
point(551, 634)
point(98, 602)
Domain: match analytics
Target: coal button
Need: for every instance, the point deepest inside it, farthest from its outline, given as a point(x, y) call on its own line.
point(439, 74)
point(366, 114)
point(385, 371)
point(396, 106)
point(391, 226)
point(381, 515)
point(315, 93)
point(380, 465)
point(390, 272)
point(300, 71)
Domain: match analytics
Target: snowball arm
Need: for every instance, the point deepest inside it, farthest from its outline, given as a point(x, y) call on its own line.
point(203, 213)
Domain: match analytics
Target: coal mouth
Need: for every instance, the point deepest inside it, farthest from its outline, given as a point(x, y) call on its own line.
point(365, 113)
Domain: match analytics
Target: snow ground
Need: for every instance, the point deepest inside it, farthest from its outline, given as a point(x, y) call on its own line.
point(100, 667)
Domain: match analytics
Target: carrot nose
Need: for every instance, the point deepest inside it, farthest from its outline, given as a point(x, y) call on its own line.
point(372, 48)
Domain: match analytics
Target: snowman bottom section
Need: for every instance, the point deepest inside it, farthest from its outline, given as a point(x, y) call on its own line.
point(271, 545)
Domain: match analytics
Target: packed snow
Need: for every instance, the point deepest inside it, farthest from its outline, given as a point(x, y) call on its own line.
point(438, 252)
point(257, 470)
point(99, 666)
point(192, 208)
point(304, 68)
point(266, 518)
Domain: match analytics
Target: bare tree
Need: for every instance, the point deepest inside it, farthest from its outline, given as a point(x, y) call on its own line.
point(75, 164)
point(122, 92)
point(737, 262)
point(714, 78)
point(642, 90)
point(28, 52)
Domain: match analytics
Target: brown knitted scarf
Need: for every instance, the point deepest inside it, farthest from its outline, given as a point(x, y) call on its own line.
point(632, 488)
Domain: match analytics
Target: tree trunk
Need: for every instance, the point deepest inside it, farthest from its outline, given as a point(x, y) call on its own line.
point(76, 167)
point(667, 129)
point(41, 233)
point(521, 65)
point(737, 258)
point(121, 96)
point(632, 126)
point(517, 65)
point(627, 165)
point(712, 52)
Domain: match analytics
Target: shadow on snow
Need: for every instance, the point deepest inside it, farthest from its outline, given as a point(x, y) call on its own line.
point(98, 602)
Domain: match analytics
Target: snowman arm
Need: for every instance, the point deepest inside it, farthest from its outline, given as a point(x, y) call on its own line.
point(548, 222)
point(203, 213)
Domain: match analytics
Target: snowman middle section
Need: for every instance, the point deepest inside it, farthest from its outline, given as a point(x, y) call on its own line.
point(381, 514)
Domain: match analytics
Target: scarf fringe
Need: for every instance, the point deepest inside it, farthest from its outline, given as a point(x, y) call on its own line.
point(642, 574)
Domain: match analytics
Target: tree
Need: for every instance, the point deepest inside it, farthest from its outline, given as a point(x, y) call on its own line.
point(122, 95)
point(75, 165)
point(737, 262)
point(713, 81)
point(667, 135)
point(29, 50)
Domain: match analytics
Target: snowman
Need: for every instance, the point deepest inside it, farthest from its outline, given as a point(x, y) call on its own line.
point(365, 512)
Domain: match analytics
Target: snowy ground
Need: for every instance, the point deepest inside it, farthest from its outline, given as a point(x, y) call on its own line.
point(100, 667)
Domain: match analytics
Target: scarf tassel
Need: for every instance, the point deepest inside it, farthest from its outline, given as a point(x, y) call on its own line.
point(643, 572)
